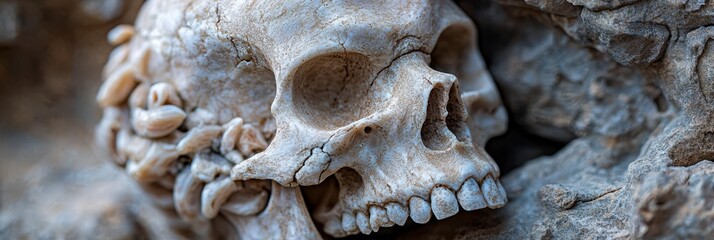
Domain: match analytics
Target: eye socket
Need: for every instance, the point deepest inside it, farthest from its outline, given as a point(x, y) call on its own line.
point(335, 90)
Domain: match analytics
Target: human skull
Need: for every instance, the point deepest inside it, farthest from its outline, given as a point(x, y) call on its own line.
point(390, 97)
point(370, 93)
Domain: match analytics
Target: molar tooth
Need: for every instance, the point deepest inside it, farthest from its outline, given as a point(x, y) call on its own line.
point(493, 196)
point(397, 213)
point(332, 227)
point(348, 222)
point(363, 223)
point(470, 196)
point(443, 203)
point(377, 217)
point(419, 210)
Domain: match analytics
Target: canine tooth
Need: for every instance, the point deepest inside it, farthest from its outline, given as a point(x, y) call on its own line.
point(348, 222)
point(163, 93)
point(502, 191)
point(470, 196)
point(419, 210)
point(120, 34)
point(377, 217)
point(363, 223)
point(157, 122)
point(117, 87)
point(397, 213)
point(493, 196)
point(215, 194)
point(443, 203)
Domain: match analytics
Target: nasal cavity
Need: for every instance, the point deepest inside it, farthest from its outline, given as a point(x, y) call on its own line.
point(445, 118)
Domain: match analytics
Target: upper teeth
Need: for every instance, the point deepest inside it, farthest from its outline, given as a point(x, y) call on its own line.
point(444, 203)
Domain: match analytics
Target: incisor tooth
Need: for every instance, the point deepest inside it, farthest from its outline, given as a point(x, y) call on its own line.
point(443, 203)
point(348, 222)
point(419, 210)
point(363, 223)
point(377, 217)
point(397, 213)
point(493, 196)
point(470, 196)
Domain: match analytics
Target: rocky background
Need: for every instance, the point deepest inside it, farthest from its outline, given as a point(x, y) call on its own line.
point(609, 102)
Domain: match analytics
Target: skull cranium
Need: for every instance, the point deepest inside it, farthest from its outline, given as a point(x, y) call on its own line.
point(391, 98)
point(357, 98)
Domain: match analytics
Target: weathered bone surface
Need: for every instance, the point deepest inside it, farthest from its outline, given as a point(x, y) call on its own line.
point(385, 101)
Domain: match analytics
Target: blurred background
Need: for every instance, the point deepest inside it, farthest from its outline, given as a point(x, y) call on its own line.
point(53, 181)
